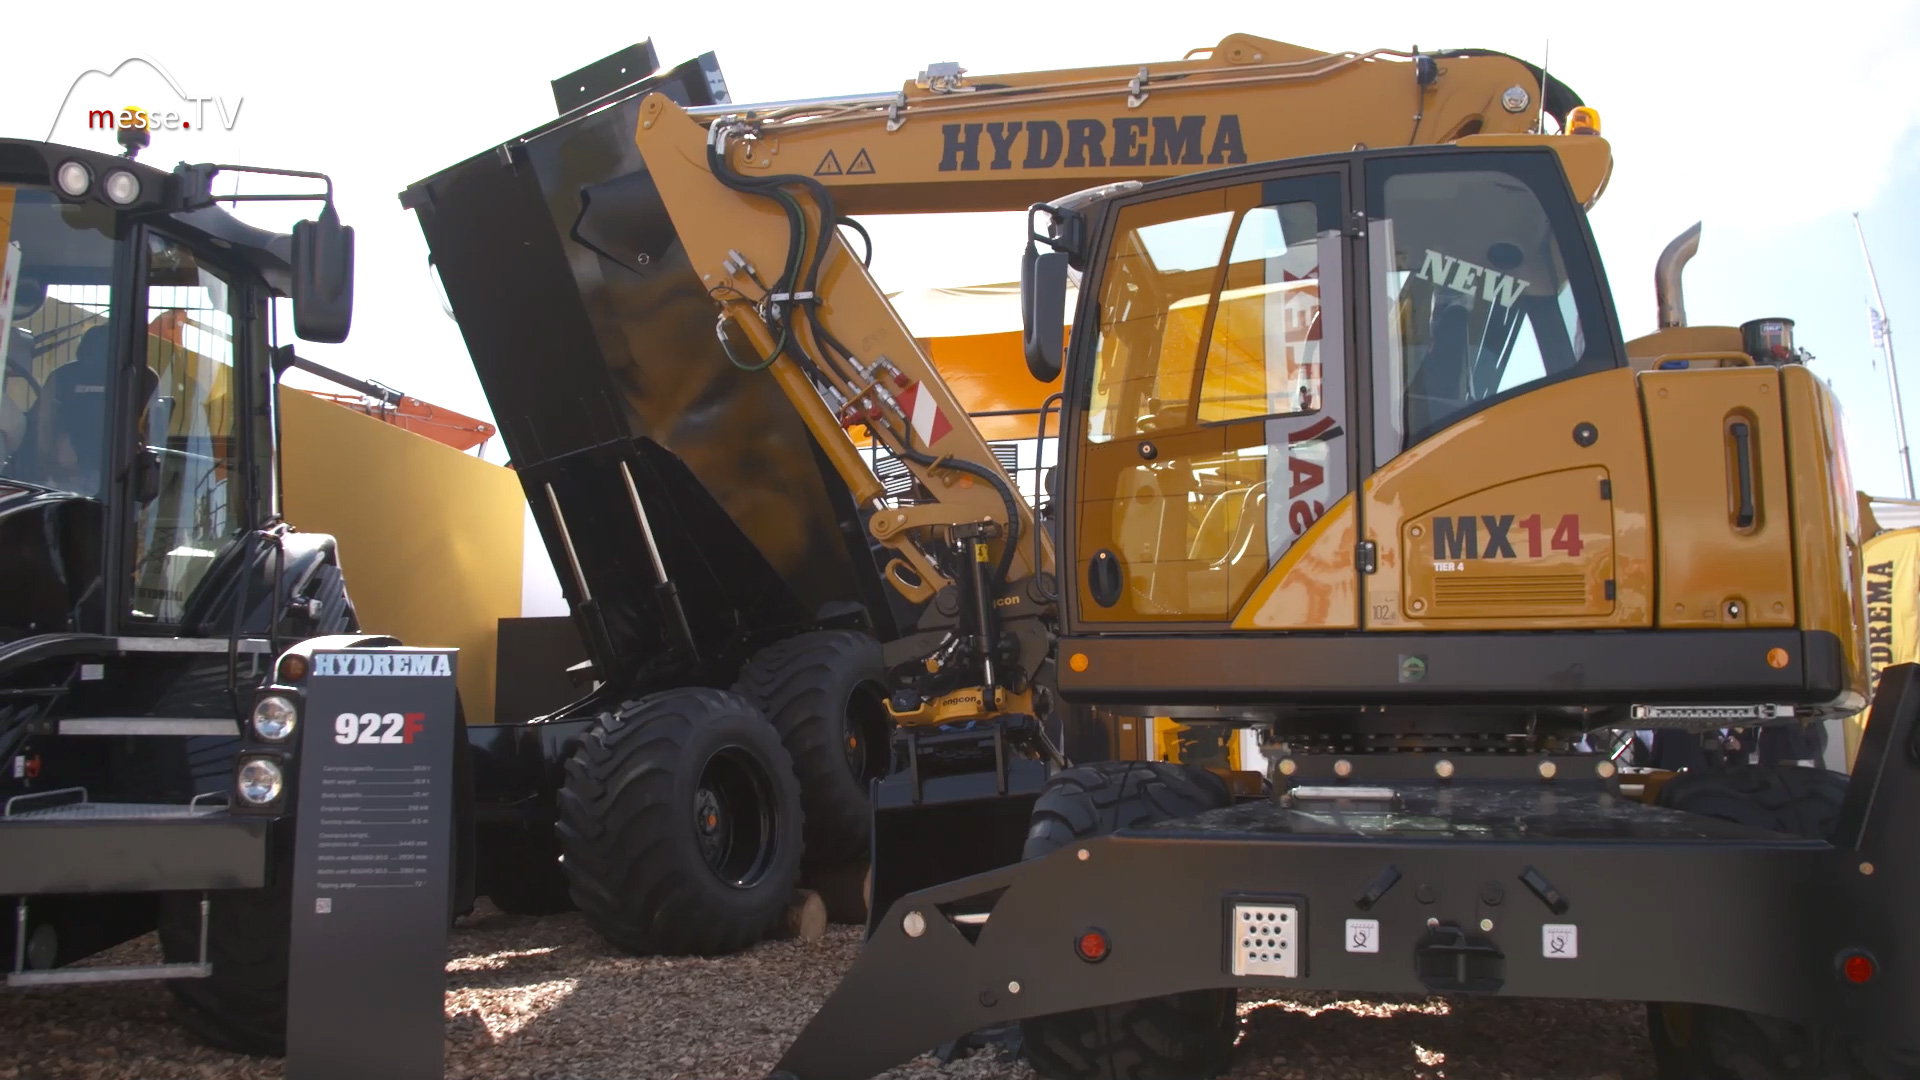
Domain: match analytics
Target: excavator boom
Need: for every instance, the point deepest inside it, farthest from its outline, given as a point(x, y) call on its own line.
point(950, 142)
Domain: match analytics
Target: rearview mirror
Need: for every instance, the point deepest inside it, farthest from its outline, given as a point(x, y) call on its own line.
point(322, 278)
point(1043, 306)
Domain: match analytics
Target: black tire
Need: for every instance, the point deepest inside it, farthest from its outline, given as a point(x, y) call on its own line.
point(1786, 798)
point(1701, 1042)
point(825, 694)
point(634, 853)
point(242, 1006)
point(1177, 1037)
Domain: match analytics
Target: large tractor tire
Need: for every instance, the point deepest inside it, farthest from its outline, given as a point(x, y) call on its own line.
point(1177, 1037)
point(242, 1005)
point(680, 824)
point(825, 694)
point(1701, 1042)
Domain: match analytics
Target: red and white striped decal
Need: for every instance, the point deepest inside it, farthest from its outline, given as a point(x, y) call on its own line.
point(929, 423)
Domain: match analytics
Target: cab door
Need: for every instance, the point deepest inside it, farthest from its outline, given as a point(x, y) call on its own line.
point(1213, 441)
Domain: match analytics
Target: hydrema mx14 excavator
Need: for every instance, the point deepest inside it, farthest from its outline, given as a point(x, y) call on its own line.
point(709, 533)
point(1356, 456)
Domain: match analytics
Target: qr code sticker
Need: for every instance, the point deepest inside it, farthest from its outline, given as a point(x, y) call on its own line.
point(323, 906)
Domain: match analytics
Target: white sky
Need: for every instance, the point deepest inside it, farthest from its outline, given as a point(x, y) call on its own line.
point(1770, 122)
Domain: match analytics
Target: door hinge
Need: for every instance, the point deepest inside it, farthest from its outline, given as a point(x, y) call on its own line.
point(1357, 225)
point(1606, 489)
point(1364, 556)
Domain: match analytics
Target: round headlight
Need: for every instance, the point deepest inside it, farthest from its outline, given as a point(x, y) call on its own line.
point(122, 187)
point(259, 781)
point(74, 178)
point(274, 717)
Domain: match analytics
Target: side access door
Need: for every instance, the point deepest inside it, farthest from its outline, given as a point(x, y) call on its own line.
point(1212, 421)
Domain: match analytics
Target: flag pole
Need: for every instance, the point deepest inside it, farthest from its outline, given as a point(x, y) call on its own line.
point(1884, 334)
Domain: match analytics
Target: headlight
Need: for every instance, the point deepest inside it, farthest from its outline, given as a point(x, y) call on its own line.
point(74, 178)
point(274, 717)
point(259, 781)
point(122, 187)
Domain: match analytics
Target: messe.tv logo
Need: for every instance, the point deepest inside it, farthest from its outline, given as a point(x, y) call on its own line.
point(166, 103)
point(161, 120)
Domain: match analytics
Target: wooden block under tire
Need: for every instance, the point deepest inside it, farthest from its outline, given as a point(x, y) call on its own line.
point(805, 919)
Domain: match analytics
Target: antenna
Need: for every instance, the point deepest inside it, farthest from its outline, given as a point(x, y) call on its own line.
point(1885, 327)
point(1540, 125)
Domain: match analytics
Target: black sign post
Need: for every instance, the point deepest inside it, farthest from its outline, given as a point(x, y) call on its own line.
point(373, 874)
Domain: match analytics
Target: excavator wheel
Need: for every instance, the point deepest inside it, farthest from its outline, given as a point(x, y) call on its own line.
point(825, 694)
point(680, 824)
point(1177, 1037)
point(1699, 1042)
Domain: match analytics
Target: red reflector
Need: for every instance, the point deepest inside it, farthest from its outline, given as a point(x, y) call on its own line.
point(1092, 946)
point(1858, 968)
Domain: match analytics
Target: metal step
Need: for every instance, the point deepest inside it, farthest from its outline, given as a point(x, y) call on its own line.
point(116, 812)
point(80, 976)
point(80, 808)
point(20, 977)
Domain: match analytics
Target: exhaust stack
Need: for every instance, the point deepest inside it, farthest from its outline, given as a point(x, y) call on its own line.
point(1666, 277)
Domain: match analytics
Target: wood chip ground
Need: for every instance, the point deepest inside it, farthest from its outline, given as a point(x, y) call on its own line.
point(544, 999)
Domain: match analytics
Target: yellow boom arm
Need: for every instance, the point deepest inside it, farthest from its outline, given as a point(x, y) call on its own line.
point(755, 195)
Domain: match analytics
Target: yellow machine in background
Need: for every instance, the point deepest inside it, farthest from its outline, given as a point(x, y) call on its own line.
point(431, 538)
point(1890, 571)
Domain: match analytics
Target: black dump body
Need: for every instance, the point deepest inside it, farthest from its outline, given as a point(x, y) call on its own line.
point(594, 341)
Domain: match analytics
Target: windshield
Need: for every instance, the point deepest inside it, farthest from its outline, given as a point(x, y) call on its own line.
point(57, 277)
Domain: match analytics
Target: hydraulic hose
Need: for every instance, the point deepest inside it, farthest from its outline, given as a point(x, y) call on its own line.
point(803, 294)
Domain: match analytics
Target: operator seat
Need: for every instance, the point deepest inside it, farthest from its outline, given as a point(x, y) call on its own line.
point(1437, 388)
point(65, 438)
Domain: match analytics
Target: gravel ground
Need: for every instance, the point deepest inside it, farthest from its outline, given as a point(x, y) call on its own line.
point(544, 999)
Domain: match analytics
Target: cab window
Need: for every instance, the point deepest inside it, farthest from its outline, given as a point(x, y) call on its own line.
point(56, 273)
point(1482, 288)
point(190, 426)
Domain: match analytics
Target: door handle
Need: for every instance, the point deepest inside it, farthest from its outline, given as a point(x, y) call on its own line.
point(1743, 469)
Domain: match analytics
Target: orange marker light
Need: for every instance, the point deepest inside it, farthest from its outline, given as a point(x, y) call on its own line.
point(1583, 120)
point(1092, 947)
point(1776, 658)
point(1078, 661)
point(293, 668)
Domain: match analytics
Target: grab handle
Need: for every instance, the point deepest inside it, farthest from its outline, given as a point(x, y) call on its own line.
point(1743, 466)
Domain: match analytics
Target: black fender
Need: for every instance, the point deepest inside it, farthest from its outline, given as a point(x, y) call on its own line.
point(278, 581)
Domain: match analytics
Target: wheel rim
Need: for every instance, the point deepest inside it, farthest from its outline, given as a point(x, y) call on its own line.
point(864, 740)
point(733, 818)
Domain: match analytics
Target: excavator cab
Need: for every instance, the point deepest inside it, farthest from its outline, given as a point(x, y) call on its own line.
point(1379, 402)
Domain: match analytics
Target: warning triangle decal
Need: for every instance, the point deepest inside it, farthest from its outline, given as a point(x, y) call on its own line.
point(830, 166)
point(862, 164)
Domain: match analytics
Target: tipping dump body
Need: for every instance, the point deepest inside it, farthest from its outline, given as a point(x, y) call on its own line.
point(594, 352)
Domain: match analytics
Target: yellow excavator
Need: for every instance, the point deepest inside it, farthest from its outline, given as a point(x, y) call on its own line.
point(572, 215)
point(1354, 455)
